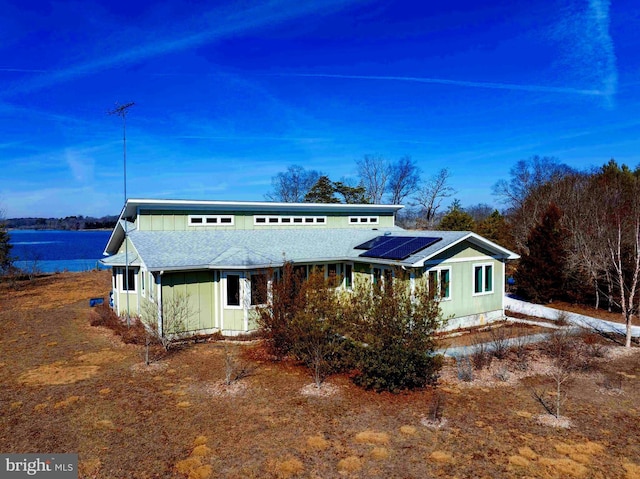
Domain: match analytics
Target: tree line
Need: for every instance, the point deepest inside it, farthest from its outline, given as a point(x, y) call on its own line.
point(70, 223)
point(379, 181)
point(578, 233)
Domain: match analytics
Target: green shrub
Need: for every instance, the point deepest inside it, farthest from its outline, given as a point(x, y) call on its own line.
point(395, 327)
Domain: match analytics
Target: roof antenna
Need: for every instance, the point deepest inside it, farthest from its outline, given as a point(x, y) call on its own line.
point(121, 111)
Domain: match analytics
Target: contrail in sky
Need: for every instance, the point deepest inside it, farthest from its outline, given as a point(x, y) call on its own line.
point(219, 25)
point(463, 83)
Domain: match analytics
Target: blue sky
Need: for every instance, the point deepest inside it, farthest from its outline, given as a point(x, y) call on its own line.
point(227, 95)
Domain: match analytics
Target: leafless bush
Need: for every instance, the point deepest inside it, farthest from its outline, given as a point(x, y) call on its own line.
point(612, 382)
point(553, 403)
point(592, 345)
point(499, 342)
point(176, 318)
point(561, 348)
point(436, 407)
point(103, 315)
point(520, 349)
point(465, 369)
point(502, 374)
point(480, 356)
point(234, 369)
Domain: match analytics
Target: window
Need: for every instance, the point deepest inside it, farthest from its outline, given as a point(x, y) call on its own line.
point(364, 219)
point(129, 282)
point(300, 220)
point(482, 278)
point(332, 274)
point(440, 283)
point(143, 282)
point(258, 288)
point(233, 290)
point(211, 220)
point(348, 272)
point(300, 271)
point(377, 275)
point(151, 285)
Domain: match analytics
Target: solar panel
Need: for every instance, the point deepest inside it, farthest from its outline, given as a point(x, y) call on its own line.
point(377, 241)
point(411, 247)
point(391, 243)
point(400, 247)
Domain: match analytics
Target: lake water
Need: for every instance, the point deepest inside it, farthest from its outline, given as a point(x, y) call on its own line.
point(51, 251)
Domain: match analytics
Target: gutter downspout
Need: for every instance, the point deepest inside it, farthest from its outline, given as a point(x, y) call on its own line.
point(160, 318)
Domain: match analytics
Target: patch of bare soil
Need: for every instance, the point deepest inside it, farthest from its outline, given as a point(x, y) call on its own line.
point(325, 390)
point(589, 311)
point(221, 388)
point(553, 421)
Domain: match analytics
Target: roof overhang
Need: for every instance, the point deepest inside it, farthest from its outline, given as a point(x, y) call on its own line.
point(496, 249)
point(133, 205)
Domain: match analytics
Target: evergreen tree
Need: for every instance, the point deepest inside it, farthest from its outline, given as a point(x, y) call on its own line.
point(495, 228)
point(351, 194)
point(540, 274)
point(456, 219)
point(321, 192)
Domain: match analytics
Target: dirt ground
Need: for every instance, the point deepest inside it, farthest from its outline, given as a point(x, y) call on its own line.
point(68, 387)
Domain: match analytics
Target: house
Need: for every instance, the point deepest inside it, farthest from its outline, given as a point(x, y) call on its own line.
point(216, 252)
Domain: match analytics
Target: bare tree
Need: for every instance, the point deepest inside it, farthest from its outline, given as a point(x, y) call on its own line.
point(431, 195)
point(621, 193)
point(534, 184)
point(374, 174)
point(168, 324)
point(292, 185)
point(562, 350)
point(404, 178)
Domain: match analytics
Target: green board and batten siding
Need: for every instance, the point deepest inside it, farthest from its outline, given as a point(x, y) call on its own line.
point(200, 287)
point(461, 259)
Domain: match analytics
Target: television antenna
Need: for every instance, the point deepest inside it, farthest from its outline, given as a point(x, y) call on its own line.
point(121, 111)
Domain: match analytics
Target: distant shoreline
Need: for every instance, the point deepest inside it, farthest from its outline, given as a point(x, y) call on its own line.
point(59, 229)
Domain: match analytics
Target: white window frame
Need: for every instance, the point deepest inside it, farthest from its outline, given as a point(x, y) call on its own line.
point(122, 280)
point(483, 278)
point(143, 282)
point(216, 220)
point(348, 280)
point(271, 220)
point(371, 220)
point(250, 288)
point(151, 285)
point(438, 272)
point(241, 289)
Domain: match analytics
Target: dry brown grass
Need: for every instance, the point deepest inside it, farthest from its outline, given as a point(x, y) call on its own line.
point(317, 442)
point(372, 437)
point(380, 453)
point(408, 430)
point(565, 467)
point(126, 423)
point(59, 373)
point(350, 464)
point(441, 456)
point(632, 470)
